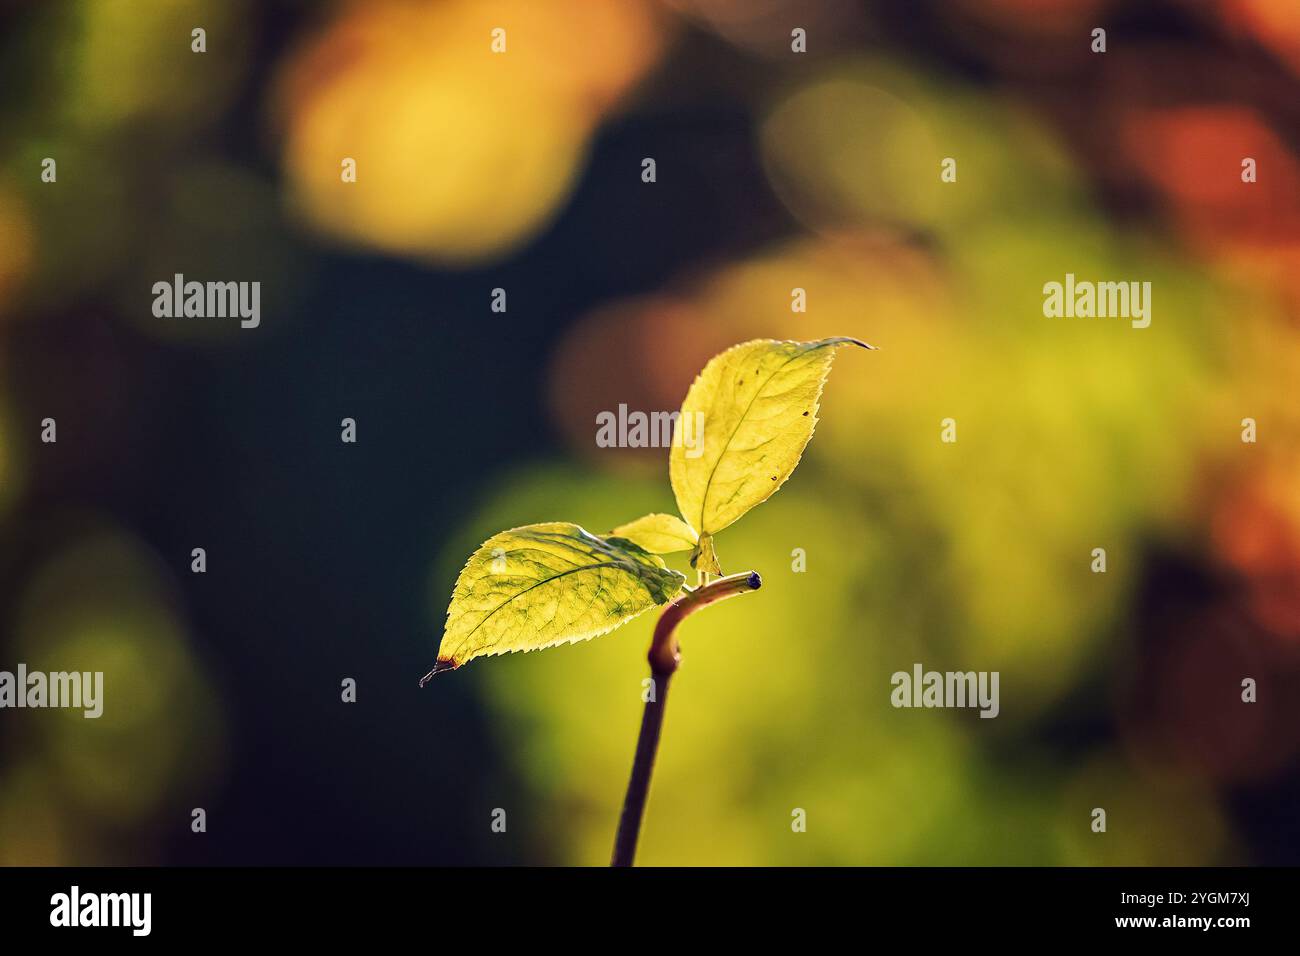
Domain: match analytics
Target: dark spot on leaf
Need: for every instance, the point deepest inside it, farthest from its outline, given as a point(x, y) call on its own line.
point(805, 414)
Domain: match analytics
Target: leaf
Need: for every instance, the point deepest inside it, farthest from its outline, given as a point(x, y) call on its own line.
point(658, 533)
point(548, 584)
point(759, 405)
point(704, 557)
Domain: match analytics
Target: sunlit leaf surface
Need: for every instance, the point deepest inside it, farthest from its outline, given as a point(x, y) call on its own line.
point(547, 584)
point(658, 533)
point(759, 401)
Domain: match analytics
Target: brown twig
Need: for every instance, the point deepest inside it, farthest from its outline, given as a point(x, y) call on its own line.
point(664, 657)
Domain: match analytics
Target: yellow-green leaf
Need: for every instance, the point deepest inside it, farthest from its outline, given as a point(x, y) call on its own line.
point(548, 584)
point(658, 533)
point(759, 402)
point(704, 557)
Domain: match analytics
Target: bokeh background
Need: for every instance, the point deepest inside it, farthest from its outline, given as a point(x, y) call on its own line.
point(775, 170)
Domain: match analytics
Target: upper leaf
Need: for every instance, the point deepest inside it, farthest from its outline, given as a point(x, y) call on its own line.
point(759, 401)
point(547, 584)
point(658, 533)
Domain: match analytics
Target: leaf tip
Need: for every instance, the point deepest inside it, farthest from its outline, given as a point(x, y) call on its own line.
point(441, 665)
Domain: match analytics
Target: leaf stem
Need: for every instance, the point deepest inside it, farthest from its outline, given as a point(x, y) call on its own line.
point(664, 657)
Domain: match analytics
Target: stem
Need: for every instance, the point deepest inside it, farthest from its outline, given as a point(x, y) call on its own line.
point(638, 787)
point(665, 656)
